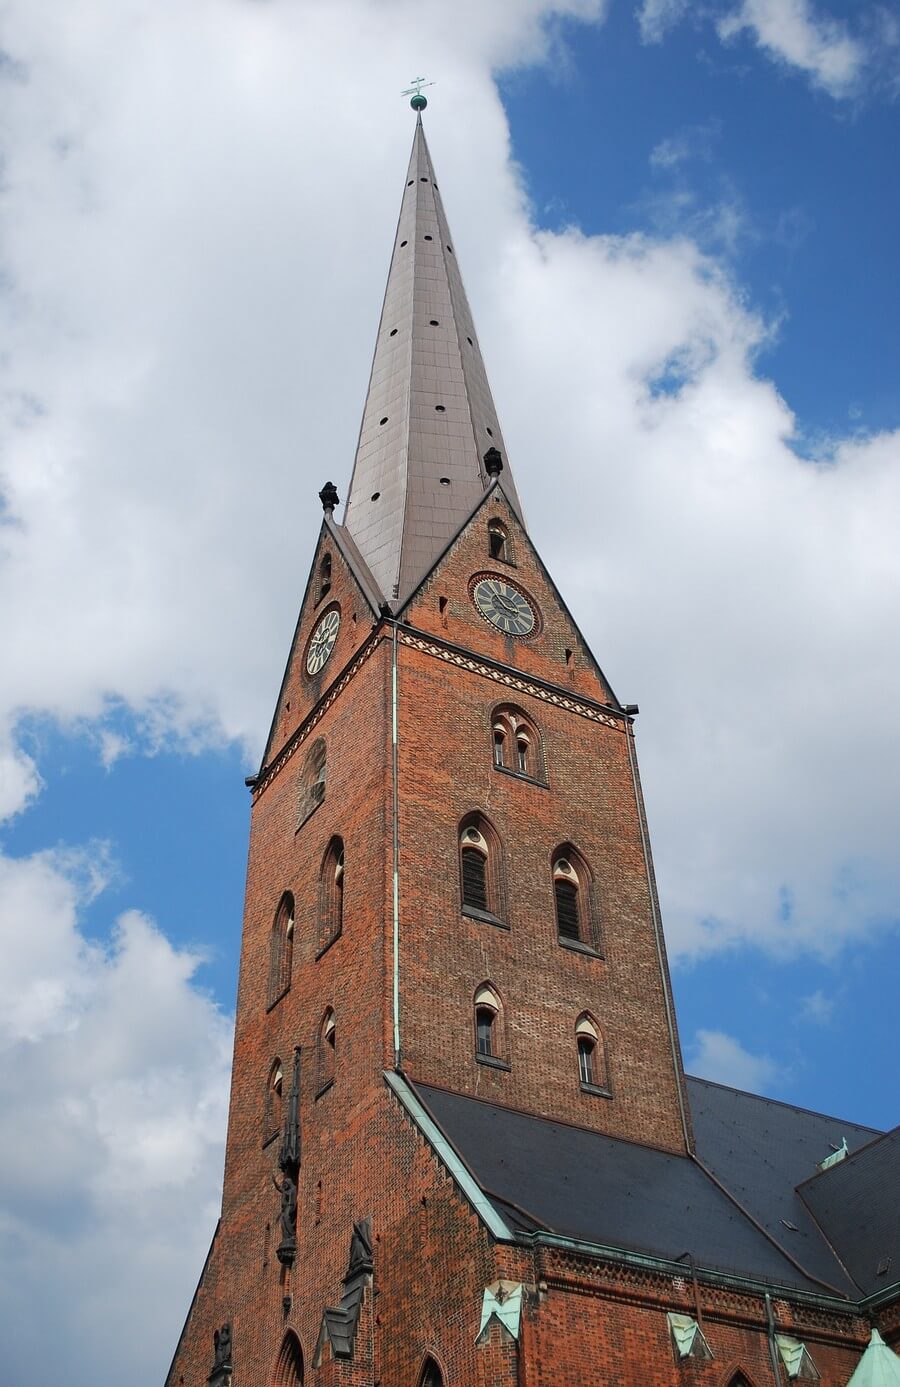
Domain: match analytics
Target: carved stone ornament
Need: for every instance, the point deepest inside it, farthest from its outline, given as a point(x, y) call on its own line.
point(222, 1365)
point(286, 1250)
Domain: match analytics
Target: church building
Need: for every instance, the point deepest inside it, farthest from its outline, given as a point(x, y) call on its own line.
point(462, 1149)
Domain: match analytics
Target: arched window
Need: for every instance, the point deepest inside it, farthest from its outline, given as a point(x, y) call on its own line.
point(498, 541)
point(591, 1051)
point(281, 949)
point(311, 790)
point(572, 898)
point(480, 870)
point(272, 1114)
point(490, 1031)
point(487, 1007)
point(324, 577)
point(516, 743)
point(331, 894)
point(431, 1375)
point(289, 1367)
point(326, 1051)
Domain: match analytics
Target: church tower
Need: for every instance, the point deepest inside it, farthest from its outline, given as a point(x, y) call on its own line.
point(456, 1062)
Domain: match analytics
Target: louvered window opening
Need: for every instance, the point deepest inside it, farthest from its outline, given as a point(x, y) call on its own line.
point(566, 909)
point(474, 879)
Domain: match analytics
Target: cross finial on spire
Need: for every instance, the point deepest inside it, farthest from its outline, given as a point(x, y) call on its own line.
point(417, 101)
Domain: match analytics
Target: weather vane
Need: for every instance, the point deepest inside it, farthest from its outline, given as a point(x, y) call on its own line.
point(414, 92)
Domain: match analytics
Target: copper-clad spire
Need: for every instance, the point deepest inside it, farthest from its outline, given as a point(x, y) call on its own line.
point(429, 417)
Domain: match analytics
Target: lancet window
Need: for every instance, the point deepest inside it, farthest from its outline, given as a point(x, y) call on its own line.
point(480, 870)
point(331, 894)
point(281, 949)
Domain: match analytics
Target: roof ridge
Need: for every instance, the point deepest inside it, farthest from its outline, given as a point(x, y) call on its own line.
point(782, 1103)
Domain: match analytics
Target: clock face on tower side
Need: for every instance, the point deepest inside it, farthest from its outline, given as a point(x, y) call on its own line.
point(322, 641)
point(504, 606)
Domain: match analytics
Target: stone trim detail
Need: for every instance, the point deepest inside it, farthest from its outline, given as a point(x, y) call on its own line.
point(519, 682)
point(299, 737)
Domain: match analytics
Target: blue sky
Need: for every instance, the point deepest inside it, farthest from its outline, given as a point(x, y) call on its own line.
point(677, 223)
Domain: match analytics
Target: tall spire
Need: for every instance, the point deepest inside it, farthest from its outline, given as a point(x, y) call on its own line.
point(429, 417)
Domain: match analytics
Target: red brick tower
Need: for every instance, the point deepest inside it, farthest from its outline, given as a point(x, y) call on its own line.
point(453, 974)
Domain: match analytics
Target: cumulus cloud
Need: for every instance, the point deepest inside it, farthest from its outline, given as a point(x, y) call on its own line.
point(794, 34)
point(197, 215)
point(718, 1056)
point(113, 1085)
point(657, 17)
point(790, 32)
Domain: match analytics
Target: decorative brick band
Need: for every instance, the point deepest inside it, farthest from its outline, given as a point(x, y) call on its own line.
point(315, 717)
point(512, 681)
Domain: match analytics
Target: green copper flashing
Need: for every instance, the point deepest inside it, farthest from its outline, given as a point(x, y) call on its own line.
point(442, 1148)
point(878, 1367)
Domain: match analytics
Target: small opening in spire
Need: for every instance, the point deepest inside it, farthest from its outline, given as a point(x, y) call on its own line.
point(423, 180)
point(450, 249)
point(489, 432)
point(429, 238)
point(470, 342)
point(375, 495)
point(445, 481)
point(404, 243)
point(568, 656)
point(441, 409)
point(393, 332)
point(410, 183)
point(434, 322)
point(384, 420)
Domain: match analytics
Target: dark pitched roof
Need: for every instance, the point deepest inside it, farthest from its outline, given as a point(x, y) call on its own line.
point(761, 1150)
point(857, 1205)
point(601, 1190)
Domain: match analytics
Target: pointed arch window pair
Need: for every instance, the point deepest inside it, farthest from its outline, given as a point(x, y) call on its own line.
point(516, 743)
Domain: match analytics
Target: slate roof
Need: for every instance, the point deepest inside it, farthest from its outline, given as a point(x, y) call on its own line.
point(429, 414)
point(761, 1150)
point(726, 1208)
point(857, 1205)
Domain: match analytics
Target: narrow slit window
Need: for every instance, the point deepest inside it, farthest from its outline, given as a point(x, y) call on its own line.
point(586, 1048)
point(484, 1031)
point(497, 544)
point(499, 745)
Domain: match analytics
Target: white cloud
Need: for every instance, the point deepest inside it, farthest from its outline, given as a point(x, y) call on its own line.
point(113, 1086)
point(197, 211)
point(791, 32)
point(657, 17)
point(717, 1056)
point(817, 1008)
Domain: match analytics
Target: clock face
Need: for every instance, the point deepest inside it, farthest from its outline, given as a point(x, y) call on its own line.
point(323, 639)
point(504, 606)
